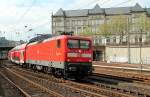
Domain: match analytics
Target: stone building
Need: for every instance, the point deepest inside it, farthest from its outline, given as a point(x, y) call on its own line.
point(78, 20)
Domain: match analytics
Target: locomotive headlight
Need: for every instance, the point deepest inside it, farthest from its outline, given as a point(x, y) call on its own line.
point(90, 60)
point(72, 54)
point(68, 60)
point(72, 68)
point(87, 55)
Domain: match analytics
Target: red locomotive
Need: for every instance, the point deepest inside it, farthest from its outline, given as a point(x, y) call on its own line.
point(63, 56)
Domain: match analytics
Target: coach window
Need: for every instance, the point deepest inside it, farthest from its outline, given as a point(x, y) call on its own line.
point(58, 43)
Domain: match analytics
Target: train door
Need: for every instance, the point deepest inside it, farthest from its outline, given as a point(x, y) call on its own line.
point(22, 56)
point(98, 55)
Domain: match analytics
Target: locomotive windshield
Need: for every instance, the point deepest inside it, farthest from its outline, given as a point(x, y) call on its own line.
point(73, 43)
point(83, 44)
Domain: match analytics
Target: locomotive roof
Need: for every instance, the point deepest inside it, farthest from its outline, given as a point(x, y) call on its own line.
point(41, 37)
point(22, 46)
point(59, 37)
point(49, 36)
point(75, 37)
point(19, 47)
point(71, 36)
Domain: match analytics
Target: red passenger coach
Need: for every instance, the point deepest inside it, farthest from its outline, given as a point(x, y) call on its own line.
point(63, 56)
point(16, 55)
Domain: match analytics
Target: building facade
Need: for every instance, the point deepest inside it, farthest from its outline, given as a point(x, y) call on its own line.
point(79, 20)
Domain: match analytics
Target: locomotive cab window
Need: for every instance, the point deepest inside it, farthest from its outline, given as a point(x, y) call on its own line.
point(84, 44)
point(58, 43)
point(73, 43)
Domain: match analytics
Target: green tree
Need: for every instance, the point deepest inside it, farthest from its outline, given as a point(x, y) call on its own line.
point(86, 32)
point(104, 30)
point(143, 26)
point(120, 26)
point(117, 25)
point(143, 23)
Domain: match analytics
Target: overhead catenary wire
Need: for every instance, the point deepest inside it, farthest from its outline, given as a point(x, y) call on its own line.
point(23, 15)
point(41, 25)
point(26, 12)
point(90, 3)
point(105, 2)
point(51, 20)
point(123, 2)
point(94, 1)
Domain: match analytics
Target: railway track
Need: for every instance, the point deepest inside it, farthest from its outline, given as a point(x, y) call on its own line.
point(59, 86)
point(9, 88)
point(127, 85)
point(139, 77)
point(27, 87)
point(97, 88)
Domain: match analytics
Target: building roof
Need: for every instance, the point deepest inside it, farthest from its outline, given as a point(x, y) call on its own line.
point(98, 10)
point(71, 13)
point(120, 10)
point(137, 8)
point(60, 12)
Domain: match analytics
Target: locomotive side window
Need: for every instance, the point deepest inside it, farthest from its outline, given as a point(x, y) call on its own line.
point(73, 43)
point(22, 54)
point(58, 43)
point(84, 44)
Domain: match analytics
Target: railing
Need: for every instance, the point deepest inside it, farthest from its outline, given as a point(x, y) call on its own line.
point(121, 44)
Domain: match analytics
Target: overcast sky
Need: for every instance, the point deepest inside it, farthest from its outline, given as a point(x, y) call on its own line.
point(36, 14)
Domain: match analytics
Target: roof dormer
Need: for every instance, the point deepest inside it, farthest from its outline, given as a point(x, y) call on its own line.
point(96, 10)
point(60, 12)
point(137, 8)
point(96, 6)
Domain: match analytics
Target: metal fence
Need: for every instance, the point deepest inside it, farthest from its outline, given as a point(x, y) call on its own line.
point(3, 55)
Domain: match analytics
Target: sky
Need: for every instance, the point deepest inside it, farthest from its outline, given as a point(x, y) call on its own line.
point(18, 16)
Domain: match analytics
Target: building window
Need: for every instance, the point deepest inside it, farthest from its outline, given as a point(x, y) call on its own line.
point(98, 22)
point(73, 22)
point(58, 19)
point(68, 23)
point(135, 16)
point(84, 22)
point(93, 22)
point(76, 22)
point(79, 30)
point(136, 39)
point(59, 23)
point(94, 29)
point(114, 39)
point(100, 41)
point(108, 40)
point(79, 22)
point(140, 39)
